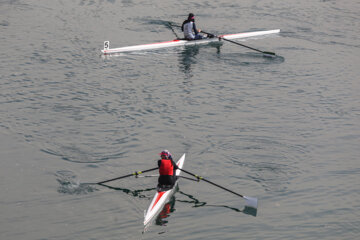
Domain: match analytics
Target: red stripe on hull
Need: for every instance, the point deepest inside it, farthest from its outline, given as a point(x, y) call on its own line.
point(176, 40)
point(160, 194)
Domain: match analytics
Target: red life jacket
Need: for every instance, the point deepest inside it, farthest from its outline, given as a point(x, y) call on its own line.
point(166, 167)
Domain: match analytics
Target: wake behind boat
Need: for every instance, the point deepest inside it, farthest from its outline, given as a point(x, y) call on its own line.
point(180, 42)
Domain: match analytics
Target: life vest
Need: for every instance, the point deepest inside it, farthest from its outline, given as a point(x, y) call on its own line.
point(166, 167)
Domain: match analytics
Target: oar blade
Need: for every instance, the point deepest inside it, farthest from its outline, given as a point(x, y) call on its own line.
point(251, 202)
point(269, 54)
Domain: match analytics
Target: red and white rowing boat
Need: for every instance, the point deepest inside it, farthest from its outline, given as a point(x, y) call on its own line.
point(162, 196)
point(177, 42)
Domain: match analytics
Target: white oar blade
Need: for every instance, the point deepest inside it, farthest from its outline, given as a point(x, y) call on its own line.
point(251, 202)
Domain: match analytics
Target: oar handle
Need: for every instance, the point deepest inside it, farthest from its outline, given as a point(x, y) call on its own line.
point(210, 34)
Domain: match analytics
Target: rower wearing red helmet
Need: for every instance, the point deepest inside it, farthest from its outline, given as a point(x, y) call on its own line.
point(167, 169)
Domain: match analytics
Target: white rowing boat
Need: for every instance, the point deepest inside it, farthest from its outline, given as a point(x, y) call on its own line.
point(162, 196)
point(177, 42)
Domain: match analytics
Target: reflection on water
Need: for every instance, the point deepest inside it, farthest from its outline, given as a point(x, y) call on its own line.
point(169, 207)
point(134, 193)
point(69, 185)
point(250, 211)
point(247, 210)
point(187, 57)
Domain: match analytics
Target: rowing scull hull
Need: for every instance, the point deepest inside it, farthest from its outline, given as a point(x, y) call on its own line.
point(176, 42)
point(162, 197)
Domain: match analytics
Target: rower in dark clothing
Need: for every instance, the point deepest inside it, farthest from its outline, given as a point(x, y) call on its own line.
point(167, 169)
point(189, 28)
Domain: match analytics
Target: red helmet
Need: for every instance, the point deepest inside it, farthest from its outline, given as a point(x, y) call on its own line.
point(166, 154)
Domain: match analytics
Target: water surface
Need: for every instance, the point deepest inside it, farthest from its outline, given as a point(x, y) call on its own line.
point(284, 129)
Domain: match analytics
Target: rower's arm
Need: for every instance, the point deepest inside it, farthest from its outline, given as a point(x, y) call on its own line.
point(174, 164)
point(195, 30)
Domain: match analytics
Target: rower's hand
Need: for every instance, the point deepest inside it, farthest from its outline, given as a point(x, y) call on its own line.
point(199, 30)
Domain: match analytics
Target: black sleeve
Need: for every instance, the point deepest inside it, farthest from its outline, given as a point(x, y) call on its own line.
point(159, 163)
point(174, 164)
point(182, 26)
point(195, 30)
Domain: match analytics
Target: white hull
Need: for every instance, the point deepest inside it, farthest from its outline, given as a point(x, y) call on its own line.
point(162, 197)
point(176, 43)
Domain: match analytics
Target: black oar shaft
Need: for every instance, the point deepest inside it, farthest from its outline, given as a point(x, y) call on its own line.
point(239, 44)
point(172, 29)
point(191, 179)
point(217, 185)
point(242, 45)
point(129, 175)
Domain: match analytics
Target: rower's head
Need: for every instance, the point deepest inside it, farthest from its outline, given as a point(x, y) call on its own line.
point(165, 154)
point(191, 17)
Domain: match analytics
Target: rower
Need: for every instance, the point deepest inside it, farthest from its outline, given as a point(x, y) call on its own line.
point(167, 170)
point(189, 28)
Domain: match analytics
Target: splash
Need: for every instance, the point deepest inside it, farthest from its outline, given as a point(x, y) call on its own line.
point(70, 185)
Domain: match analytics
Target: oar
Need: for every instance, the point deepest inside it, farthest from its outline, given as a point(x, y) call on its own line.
point(191, 179)
point(250, 201)
point(172, 29)
point(210, 34)
point(220, 37)
point(128, 175)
